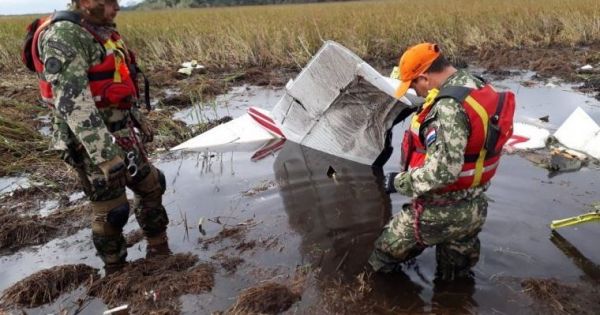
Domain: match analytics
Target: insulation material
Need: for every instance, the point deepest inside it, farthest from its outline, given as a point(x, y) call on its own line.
point(340, 105)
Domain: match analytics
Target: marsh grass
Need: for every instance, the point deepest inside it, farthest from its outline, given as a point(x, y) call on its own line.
point(288, 35)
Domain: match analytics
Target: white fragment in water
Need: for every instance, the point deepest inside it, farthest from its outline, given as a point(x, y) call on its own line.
point(189, 66)
point(580, 132)
point(48, 207)
point(76, 196)
point(117, 310)
point(192, 64)
point(587, 67)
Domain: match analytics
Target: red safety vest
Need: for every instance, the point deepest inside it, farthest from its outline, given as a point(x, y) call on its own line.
point(112, 82)
point(490, 115)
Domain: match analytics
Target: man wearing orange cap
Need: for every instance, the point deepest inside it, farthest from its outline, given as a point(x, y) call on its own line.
point(449, 154)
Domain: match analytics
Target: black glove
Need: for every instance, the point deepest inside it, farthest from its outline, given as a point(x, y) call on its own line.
point(388, 183)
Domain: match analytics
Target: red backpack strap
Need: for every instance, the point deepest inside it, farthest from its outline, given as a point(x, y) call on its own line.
point(26, 47)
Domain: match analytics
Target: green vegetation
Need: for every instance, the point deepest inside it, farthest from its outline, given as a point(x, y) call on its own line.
point(288, 35)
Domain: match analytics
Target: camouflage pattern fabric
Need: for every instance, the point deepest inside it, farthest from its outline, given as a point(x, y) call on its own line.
point(72, 51)
point(452, 227)
point(81, 132)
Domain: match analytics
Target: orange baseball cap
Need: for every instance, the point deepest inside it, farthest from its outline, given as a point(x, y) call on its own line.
point(414, 62)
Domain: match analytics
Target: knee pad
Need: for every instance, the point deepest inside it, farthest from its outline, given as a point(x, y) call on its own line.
point(110, 216)
point(118, 217)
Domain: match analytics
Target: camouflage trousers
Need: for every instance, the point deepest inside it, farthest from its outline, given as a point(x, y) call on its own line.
point(110, 205)
point(453, 229)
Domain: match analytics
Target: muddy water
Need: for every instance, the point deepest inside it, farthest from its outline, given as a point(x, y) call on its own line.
point(326, 224)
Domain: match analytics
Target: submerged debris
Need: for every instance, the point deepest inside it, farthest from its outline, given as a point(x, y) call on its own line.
point(268, 298)
point(564, 162)
point(154, 285)
point(229, 263)
point(236, 232)
point(554, 297)
point(44, 286)
point(260, 187)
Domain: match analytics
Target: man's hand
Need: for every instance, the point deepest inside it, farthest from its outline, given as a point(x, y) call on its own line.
point(388, 183)
point(115, 172)
point(147, 132)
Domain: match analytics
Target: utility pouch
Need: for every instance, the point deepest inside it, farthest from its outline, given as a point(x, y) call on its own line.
point(491, 139)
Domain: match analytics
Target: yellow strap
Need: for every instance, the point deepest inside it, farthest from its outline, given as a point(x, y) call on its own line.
point(415, 124)
point(114, 47)
point(482, 113)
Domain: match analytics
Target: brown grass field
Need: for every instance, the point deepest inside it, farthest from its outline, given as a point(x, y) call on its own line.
point(288, 35)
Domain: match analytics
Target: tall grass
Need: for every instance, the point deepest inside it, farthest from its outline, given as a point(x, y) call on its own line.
point(287, 35)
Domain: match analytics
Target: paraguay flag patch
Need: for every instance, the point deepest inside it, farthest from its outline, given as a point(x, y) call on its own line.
point(430, 136)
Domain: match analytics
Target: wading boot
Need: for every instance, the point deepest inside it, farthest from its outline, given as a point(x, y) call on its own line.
point(158, 246)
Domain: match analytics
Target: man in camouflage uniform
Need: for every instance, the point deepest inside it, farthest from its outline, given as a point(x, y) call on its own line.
point(449, 220)
point(101, 144)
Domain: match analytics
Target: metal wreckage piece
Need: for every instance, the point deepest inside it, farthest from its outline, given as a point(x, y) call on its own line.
point(338, 104)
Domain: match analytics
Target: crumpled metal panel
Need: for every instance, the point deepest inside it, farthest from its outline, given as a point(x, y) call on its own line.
point(340, 105)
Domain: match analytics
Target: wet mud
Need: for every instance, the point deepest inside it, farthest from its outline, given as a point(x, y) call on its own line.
point(267, 220)
point(555, 61)
point(556, 297)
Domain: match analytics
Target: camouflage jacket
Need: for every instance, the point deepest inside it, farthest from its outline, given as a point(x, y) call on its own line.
point(445, 155)
point(76, 118)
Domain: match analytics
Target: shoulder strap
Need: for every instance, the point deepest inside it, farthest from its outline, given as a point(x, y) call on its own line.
point(75, 18)
point(69, 16)
point(458, 93)
point(499, 107)
point(480, 78)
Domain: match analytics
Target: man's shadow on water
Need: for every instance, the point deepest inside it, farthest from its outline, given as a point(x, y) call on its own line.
point(339, 208)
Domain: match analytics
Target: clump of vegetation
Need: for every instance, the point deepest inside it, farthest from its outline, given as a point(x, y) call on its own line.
point(20, 231)
point(267, 298)
point(154, 285)
point(46, 285)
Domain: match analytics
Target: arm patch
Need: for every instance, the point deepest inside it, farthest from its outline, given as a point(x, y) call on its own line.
point(53, 65)
point(430, 136)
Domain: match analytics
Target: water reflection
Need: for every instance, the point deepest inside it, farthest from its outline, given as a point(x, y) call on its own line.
point(339, 208)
